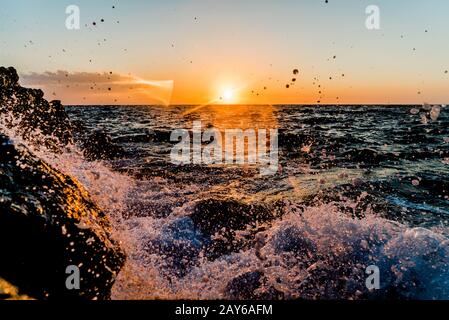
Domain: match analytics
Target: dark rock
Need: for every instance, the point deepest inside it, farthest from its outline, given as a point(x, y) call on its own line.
point(96, 144)
point(47, 123)
point(244, 287)
point(293, 141)
point(10, 292)
point(34, 118)
point(219, 219)
point(179, 244)
point(48, 222)
point(291, 239)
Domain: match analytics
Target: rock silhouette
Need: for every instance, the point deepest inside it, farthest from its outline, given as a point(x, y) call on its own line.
point(33, 117)
point(47, 219)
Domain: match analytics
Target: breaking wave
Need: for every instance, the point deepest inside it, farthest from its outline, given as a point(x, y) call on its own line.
point(283, 249)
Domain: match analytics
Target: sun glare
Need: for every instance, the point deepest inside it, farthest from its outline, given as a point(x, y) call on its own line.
point(228, 96)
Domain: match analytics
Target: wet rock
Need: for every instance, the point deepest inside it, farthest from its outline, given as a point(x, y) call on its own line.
point(293, 141)
point(99, 146)
point(47, 223)
point(415, 266)
point(143, 207)
point(178, 255)
point(220, 219)
point(33, 117)
point(243, 286)
point(179, 244)
point(291, 239)
point(10, 292)
point(47, 123)
point(96, 144)
point(251, 286)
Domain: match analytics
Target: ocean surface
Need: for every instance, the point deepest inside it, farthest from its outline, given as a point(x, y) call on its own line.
point(356, 186)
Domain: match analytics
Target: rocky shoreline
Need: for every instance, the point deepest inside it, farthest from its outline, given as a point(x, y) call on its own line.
point(47, 219)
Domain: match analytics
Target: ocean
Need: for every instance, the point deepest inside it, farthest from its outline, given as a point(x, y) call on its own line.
point(356, 186)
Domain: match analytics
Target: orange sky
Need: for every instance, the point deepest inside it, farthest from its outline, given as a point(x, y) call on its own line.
point(107, 88)
point(242, 52)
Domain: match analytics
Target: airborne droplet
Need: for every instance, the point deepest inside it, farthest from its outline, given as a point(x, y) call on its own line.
point(435, 113)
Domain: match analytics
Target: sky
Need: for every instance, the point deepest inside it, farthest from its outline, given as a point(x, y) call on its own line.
point(235, 51)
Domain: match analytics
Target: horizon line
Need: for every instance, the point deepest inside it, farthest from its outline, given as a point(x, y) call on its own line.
point(259, 104)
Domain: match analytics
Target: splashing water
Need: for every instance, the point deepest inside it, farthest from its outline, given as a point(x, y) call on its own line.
point(311, 250)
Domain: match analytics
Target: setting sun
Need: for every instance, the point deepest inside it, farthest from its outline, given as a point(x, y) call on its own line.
point(228, 96)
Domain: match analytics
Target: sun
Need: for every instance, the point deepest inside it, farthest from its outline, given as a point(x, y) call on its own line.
point(228, 95)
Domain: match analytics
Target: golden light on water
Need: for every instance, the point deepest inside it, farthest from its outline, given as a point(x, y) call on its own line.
point(227, 95)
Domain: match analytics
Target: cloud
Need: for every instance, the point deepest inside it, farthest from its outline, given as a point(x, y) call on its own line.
point(65, 77)
point(100, 87)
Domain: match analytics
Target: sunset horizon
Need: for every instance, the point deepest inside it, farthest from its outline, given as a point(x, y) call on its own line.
point(146, 92)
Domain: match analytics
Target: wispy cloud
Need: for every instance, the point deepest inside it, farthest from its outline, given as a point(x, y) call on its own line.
point(99, 87)
point(65, 77)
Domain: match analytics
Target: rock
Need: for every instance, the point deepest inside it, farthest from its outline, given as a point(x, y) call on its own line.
point(99, 146)
point(34, 118)
point(248, 287)
point(10, 292)
point(46, 123)
point(48, 222)
point(293, 141)
point(243, 286)
point(179, 244)
point(291, 239)
point(96, 145)
point(219, 219)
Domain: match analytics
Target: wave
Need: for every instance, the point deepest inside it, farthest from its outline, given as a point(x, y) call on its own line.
point(312, 252)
